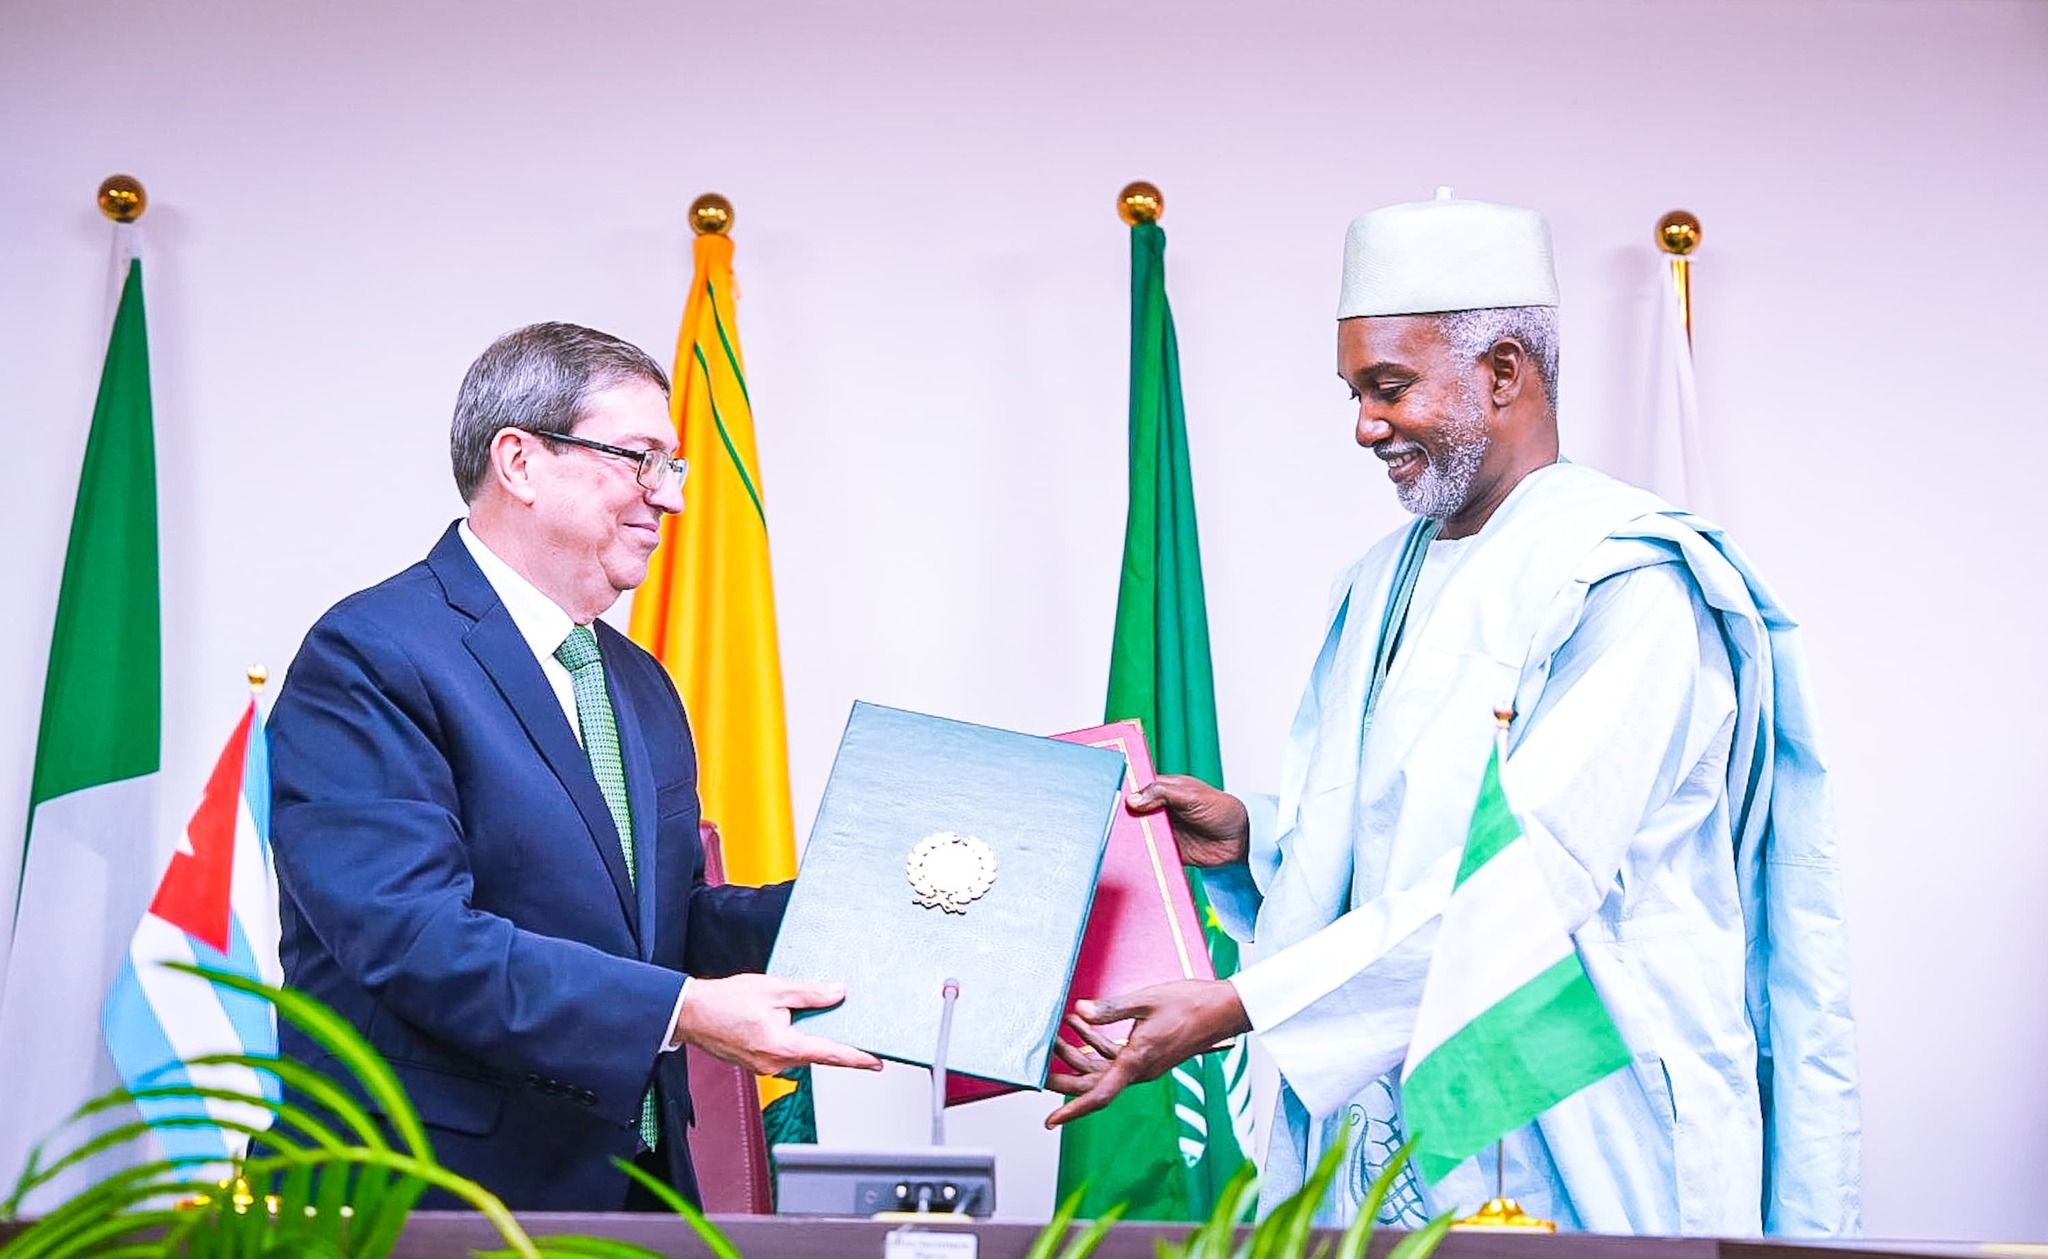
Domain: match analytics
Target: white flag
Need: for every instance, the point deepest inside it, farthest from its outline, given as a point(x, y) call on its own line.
point(1672, 464)
point(91, 843)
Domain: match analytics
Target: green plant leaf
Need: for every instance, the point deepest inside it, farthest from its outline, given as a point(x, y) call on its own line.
point(718, 1243)
point(89, 1235)
point(38, 1173)
point(190, 1092)
point(337, 1036)
point(366, 1196)
point(1215, 1236)
point(1423, 1241)
point(1383, 1184)
point(112, 1195)
point(1284, 1233)
point(580, 1246)
point(331, 1097)
point(334, 1200)
point(122, 1203)
point(378, 1236)
point(294, 1194)
point(1357, 1237)
point(411, 1176)
point(1084, 1245)
point(1056, 1228)
point(328, 1223)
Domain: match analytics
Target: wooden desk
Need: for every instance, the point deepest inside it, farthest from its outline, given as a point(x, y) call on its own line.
point(453, 1235)
point(456, 1234)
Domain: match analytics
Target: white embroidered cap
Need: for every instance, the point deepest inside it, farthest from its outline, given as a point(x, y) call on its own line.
point(1427, 257)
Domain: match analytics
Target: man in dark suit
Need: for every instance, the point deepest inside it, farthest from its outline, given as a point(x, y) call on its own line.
point(485, 808)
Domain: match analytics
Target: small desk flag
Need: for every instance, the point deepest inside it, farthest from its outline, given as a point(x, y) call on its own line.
point(1509, 1024)
point(216, 907)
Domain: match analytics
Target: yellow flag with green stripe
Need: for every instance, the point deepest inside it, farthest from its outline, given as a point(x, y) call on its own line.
point(707, 611)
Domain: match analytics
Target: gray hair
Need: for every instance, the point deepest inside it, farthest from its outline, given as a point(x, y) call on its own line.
point(537, 378)
point(1473, 333)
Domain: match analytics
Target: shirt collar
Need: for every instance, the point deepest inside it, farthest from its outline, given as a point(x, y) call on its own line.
point(541, 621)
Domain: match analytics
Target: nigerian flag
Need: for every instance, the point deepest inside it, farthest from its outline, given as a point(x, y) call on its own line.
point(707, 612)
point(1509, 1025)
point(1167, 1147)
point(90, 854)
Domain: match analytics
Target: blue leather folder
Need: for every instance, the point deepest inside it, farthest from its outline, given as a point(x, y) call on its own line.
point(1042, 810)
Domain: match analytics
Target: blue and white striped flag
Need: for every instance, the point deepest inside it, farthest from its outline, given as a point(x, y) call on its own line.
point(216, 907)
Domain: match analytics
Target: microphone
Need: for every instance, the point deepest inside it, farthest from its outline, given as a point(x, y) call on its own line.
point(937, 1181)
point(949, 994)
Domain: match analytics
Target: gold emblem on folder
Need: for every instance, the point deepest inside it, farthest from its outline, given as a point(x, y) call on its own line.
point(947, 871)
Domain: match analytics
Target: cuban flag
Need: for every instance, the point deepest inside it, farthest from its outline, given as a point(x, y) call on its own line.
point(216, 907)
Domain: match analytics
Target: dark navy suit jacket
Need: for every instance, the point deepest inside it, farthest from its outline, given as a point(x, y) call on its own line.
point(451, 881)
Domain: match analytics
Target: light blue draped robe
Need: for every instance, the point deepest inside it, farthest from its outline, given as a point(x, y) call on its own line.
point(1664, 761)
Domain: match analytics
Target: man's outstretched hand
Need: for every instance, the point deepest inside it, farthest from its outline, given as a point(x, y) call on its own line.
point(1210, 825)
point(745, 1019)
point(1174, 1022)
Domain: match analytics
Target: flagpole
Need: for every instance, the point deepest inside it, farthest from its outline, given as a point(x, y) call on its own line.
point(1503, 717)
point(1503, 1211)
point(122, 199)
point(1678, 234)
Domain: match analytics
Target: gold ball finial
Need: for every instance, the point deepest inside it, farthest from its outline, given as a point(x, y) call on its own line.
point(258, 675)
point(1678, 233)
point(711, 215)
point(122, 199)
point(1140, 202)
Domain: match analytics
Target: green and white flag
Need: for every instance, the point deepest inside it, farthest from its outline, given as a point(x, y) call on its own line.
point(1165, 1148)
point(1509, 1024)
point(90, 857)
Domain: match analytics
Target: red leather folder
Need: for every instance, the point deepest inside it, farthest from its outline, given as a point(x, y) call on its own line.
point(1142, 929)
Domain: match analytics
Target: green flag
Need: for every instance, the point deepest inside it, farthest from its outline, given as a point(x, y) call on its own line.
point(87, 863)
point(102, 698)
point(1509, 1024)
point(1166, 1148)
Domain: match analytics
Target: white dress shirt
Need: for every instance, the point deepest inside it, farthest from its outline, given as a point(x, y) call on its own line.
point(543, 624)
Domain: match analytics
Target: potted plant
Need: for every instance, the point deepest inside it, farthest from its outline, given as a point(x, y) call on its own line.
point(340, 1184)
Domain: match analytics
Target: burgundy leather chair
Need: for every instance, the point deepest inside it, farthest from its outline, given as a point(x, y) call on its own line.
point(727, 1144)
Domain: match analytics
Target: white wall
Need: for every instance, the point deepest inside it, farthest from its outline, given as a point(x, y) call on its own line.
point(349, 201)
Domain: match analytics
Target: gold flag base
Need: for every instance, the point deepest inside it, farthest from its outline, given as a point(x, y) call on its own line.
point(1504, 1213)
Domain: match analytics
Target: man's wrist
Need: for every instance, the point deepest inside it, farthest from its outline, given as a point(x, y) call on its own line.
point(1244, 1010)
point(675, 1020)
point(1229, 1018)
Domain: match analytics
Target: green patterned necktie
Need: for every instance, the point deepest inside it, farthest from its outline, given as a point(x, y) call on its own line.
point(579, 655)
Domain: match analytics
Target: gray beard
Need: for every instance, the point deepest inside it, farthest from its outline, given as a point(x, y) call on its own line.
point(1446, 480)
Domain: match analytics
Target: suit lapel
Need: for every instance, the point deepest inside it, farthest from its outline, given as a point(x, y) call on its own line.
point(498, 646)
point(639, 785)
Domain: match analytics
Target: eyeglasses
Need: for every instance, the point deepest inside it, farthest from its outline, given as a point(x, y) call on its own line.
point(656, 470)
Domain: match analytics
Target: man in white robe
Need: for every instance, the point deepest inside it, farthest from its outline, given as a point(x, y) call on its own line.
point(1661, 758)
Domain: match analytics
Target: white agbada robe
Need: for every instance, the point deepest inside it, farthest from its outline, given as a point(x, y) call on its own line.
point(1662, 760)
